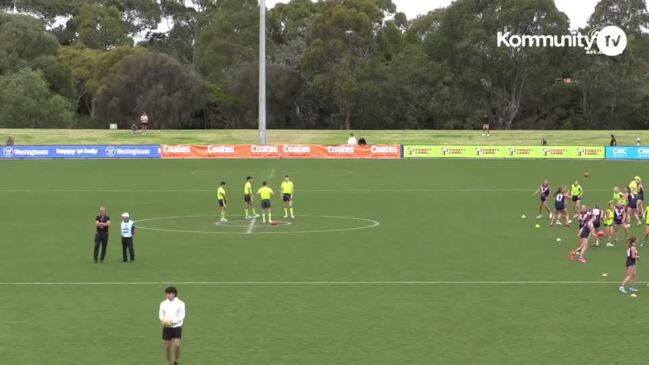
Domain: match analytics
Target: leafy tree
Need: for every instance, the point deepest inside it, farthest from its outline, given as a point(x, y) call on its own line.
point(25, 43)
point(153, 83)
point(101, 27)
point(27, 102)
point(493, 81)
point(90, 69)
point(228, 36)
point(342, 42)
point(178, 41)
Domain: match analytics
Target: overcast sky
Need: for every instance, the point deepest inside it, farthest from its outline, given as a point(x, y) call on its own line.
point(577, 10)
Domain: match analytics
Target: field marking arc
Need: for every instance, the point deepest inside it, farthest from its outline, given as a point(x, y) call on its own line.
point(372, 224)
point(436, 282)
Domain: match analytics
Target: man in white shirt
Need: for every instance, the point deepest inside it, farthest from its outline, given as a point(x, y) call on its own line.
point(351, 140)
point(172, 315)
point(144, 121)
point(128, 233)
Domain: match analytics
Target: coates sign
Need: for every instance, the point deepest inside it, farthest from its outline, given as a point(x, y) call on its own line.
point(281, 151)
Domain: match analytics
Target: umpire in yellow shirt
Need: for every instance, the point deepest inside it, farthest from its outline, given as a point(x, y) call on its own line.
point(287, 196)
point(223, 204)
point(265, 194)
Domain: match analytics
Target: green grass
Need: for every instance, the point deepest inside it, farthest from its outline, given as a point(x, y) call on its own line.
point(519, 138)
point(443, 221)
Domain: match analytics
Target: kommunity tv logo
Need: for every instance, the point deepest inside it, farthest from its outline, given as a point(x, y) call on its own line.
point(610, 40)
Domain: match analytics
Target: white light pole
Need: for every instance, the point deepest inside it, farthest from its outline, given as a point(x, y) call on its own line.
point(262, 71)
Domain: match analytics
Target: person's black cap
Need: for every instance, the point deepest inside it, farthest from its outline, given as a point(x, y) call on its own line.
point(171, 289)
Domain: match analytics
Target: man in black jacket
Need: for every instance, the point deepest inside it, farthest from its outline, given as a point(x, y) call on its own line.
point(102, 222)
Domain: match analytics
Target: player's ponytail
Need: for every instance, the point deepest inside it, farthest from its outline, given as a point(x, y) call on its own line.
point(632, 241)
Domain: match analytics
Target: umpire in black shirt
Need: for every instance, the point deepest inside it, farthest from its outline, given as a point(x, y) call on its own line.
point(102, 222)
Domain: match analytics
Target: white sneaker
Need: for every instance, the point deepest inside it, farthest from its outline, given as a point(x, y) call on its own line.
point(559, 223)
point(292, 217)
point(248, 217)
point(622, 290)
point(539, 216)
point(256, 216)
point(608, 244)
point(596, 244)
point(285, 216)
point(223, 220)
point(628, 226)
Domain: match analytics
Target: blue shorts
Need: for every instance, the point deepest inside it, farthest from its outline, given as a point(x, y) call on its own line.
point(265, 204)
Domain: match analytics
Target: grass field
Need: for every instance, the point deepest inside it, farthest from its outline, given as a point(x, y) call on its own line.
point(387, 262)
point(519, 138)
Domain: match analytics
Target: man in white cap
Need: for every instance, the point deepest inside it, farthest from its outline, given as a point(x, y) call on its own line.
point(128, 232)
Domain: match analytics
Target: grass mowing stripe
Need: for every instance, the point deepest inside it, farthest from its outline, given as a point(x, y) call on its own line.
point(521, 282)
point(302, 190)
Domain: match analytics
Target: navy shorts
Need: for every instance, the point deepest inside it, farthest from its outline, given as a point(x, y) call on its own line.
point(247, 199)
point(596, 224)
point(544, 198)
point(221, 203)
point(265, 204)
point(287, 197)
point(576, 198)
point(170, 333)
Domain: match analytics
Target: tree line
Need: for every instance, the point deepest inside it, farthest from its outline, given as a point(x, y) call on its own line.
point(332, 64)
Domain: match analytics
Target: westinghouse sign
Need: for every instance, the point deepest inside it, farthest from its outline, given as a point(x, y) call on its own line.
point(610, 41)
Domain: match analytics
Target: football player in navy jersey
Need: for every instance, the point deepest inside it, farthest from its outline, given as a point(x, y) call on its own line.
point(598, 216)
point(619, 217)
point(641, 208)
point(560, 210)
point(544, 190)
point(631, 257)
point(632, 207)
point(584, 233)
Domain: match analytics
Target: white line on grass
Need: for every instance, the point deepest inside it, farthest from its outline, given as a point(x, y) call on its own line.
point(272, 173)
point(523, 282)
point(478, 190)
point(251, 226)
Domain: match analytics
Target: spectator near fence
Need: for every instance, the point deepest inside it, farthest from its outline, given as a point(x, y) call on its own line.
point(362, 141)
point(613, 140)
point(10, 141)
point(351, 140)
point(144, 120)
